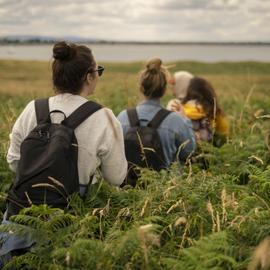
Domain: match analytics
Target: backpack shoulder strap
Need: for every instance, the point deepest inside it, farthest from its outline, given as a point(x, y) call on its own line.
point(42, 111)
point(81, 114)
point(133, 117)
point(158, 118)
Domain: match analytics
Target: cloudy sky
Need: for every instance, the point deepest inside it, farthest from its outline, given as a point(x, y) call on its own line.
point(142, 20)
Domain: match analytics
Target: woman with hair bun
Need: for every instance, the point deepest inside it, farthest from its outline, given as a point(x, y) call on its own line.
point(75, 75)
point(175, 134)
point(76, 137)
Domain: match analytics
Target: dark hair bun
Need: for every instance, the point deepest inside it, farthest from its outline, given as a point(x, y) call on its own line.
point(63, 51)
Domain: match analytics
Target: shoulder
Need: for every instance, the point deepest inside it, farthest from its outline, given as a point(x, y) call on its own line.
point(176, 122)
point(104, 115)
point(102, 119)
point(26, 120)
point(106, 122)
point(174, 117)
point(123, 117)
point(30, 106)
point(28, 112)
point(101, 125)
point(122, 114)
point(109, 115)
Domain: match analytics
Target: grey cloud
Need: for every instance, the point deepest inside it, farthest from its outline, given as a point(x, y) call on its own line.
point(138, 19)
point(192, 4)
point(198, 5)
point(9, 21)
point(4, 3)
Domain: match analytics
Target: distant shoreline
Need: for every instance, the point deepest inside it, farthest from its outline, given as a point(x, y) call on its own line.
point(203, 43)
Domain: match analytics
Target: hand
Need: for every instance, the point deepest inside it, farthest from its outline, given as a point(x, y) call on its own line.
point(176, 106)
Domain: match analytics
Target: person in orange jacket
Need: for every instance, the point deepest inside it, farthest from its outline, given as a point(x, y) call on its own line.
point(196, 98)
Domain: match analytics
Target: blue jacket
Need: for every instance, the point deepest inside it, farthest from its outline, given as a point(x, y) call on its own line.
point(176, 132)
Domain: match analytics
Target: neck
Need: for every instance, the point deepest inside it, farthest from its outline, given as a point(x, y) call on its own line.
point(84, 94)
point(151, 98)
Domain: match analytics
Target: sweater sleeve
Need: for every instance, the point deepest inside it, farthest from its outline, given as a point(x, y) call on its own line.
point(23, 125)
point(185, 138)
point(123, 119)
point(113, 161)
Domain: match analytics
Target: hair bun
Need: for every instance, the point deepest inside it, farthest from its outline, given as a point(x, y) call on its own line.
point(63, 51)
point(154, 64)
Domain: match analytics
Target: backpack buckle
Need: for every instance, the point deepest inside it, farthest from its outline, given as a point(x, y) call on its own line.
point(44, 134)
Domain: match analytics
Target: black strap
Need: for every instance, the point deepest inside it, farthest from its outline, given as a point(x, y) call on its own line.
point(158, 118)
point(42, 111)
point(81, 114)
point(133, 117)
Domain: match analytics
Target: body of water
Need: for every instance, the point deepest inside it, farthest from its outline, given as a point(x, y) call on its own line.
point(130, 52)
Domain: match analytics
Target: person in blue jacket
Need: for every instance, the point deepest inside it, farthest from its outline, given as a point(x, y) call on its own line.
point(175, 132)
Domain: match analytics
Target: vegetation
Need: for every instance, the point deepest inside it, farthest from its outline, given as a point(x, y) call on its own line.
point(189, 217)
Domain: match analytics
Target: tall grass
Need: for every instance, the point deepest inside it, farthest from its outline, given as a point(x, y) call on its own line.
point(186, 218)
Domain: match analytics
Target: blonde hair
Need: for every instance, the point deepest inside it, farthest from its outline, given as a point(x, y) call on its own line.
point(181, 83)
point(153, 79)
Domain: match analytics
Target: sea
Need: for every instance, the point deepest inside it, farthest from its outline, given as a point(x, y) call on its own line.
point(141, 52)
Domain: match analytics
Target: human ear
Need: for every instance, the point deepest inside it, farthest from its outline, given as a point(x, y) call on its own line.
point(89, 78)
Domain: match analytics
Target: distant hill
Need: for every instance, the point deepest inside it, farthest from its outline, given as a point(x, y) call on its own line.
point(32, 39)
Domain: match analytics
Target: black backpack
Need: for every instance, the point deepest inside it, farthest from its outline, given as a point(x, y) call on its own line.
point(143, 146)
point(47, 171)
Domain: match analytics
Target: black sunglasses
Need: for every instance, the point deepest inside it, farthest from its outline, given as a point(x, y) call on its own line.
point(99, 70)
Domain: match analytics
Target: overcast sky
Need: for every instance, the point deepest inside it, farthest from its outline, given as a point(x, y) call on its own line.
point(142, 20)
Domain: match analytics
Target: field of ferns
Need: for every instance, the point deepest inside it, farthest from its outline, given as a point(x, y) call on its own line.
point(189, 217)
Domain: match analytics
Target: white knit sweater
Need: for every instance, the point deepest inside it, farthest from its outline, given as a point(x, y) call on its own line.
point(100, 139)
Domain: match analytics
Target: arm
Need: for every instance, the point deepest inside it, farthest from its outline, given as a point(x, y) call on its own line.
point(184, 138)
point(113, 161)
point(123, 119)
point(24, 123)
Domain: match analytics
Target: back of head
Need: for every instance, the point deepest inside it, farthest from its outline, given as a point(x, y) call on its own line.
point(203, 92)
point(153, 79)
point(181, 83)
point(70, 66)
